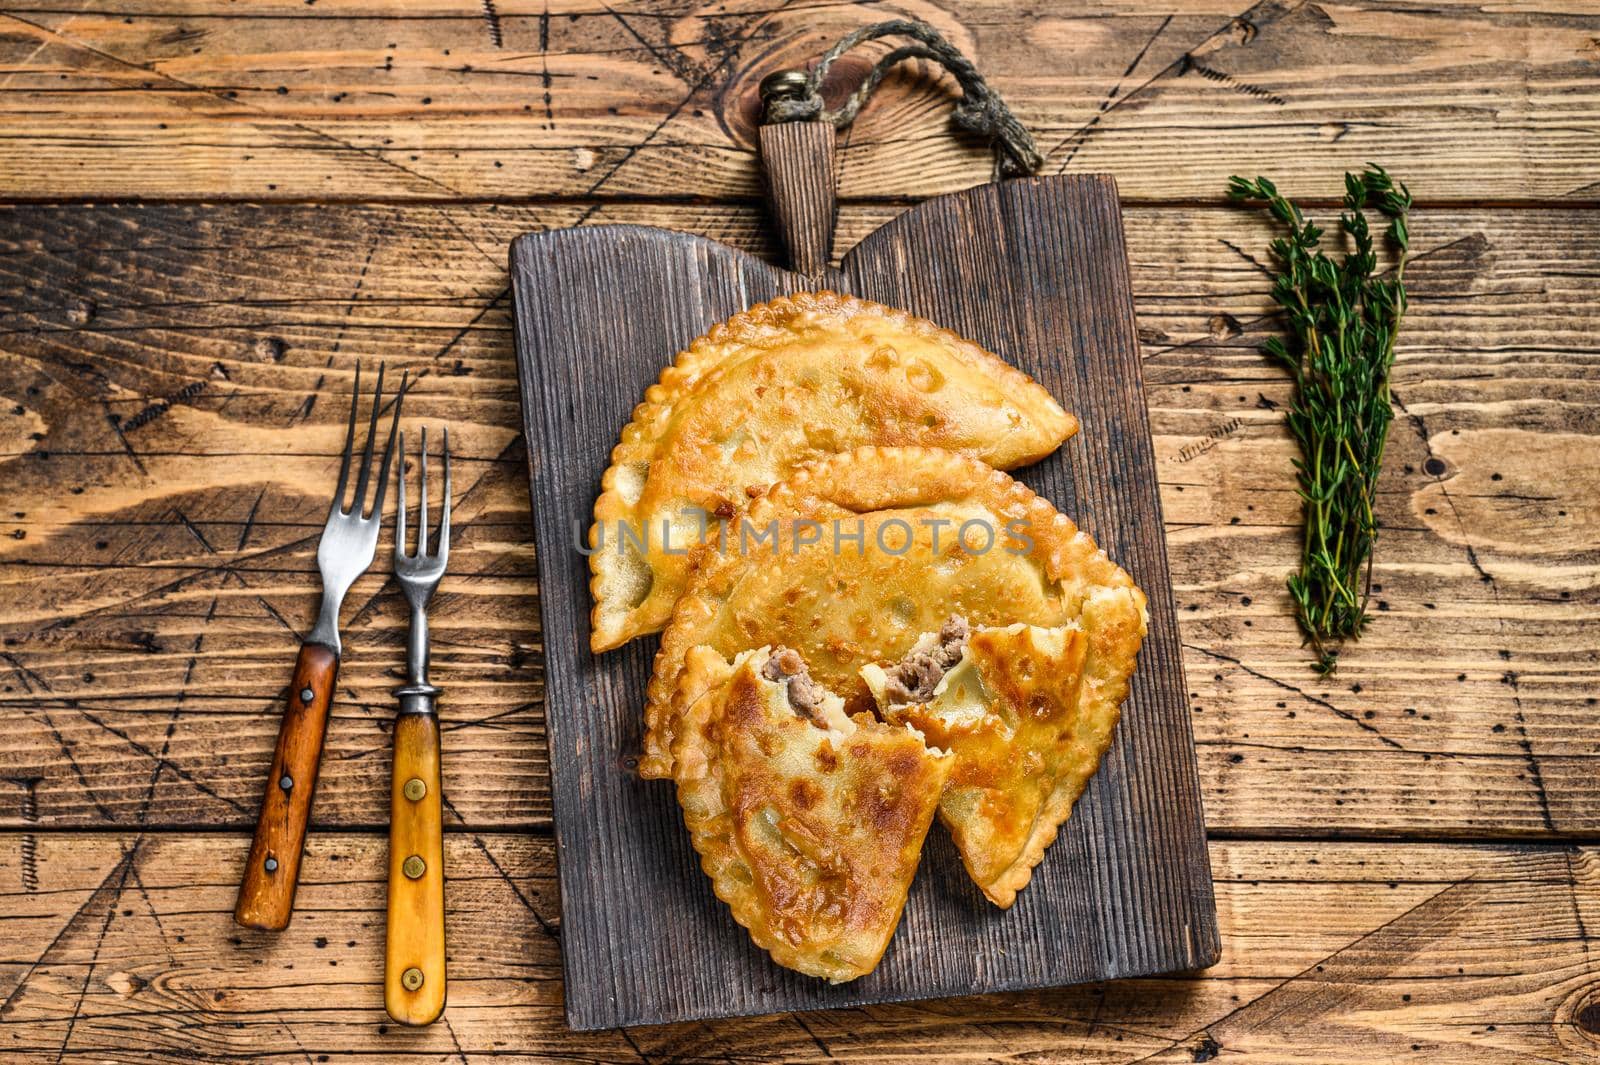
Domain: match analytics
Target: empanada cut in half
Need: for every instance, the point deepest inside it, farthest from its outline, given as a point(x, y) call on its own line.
point(1028, 713)
point(808, 822)
point(783, 383)
point(864, 552)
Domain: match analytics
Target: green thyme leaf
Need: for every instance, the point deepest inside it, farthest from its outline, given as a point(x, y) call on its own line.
point(1340, 322)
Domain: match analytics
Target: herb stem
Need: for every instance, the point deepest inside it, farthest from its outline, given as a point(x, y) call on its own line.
point(1342, 318)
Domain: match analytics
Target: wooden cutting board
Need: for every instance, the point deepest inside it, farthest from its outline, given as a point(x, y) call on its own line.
point(1033, 269)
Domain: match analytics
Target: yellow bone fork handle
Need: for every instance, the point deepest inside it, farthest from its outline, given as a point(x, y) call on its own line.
point(414, 967)
point(414, 960)
point(266, 895)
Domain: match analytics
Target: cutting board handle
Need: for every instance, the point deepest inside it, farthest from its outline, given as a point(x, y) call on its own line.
point(798, 132)
point(803, 190)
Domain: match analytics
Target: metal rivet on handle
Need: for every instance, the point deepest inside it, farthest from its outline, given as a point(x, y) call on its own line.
point(415, 789)
point(286, 782)
point(783, 83)
point(414, 867)
point(411, 979)
point(270, 865)
point(306, 695)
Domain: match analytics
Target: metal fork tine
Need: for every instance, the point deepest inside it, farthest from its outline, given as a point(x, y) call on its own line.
point(422, 500)
point(388, 448)
point(358, 505)
point(443, 547)
point(399, 500)
point(349, 443)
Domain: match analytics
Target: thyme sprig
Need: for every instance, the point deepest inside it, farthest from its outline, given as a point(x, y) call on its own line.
point(1341, 319)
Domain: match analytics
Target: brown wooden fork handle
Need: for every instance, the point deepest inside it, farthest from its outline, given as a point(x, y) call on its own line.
point(414, 957)
point(266, 896)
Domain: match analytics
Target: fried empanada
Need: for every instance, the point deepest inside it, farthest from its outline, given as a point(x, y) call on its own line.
point(809, 823)
point(1028, 712)
point(940, 534)
point(783, 383)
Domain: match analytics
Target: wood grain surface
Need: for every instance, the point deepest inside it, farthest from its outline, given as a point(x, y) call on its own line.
point(1331, 951)
point(1033, 269)
point(171, 376)
point(186, 370)
point(420, 99)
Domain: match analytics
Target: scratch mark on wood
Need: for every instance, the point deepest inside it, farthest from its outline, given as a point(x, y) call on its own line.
point(1471, 240)
point(30, 859)
point(1190, 452)
point(99, 942)
point(1535, 771)
point(627, 1037)
point(1315, 700)
point(461, 1055)
point(1249, 20)
point(1111, 95)
point(1260, 266)
point(491, 20)
point(450, 221)
point(733, 48)
point(678, 63)
point(547, 926)
point(350, 308)
point(820, 1045)
point(1224, 78)
point(30, 843)
point(249, 524)
point(161, 406)
point(1427, 921)
point(114, 420)
point(120, 869)
point(77, 770)
point(146, 752)
point(544, 67)
point(229, 569)
point(232, 102)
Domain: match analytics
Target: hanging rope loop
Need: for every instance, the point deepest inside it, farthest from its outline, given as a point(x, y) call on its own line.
point(795, 96)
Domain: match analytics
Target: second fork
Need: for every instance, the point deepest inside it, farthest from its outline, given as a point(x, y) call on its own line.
point(414, 954)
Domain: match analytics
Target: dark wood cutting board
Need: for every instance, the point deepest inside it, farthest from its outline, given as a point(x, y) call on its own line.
point(1033, 269)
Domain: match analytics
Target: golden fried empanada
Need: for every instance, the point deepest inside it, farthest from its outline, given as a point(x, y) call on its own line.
point(940, 534)
point(809, 822)
point(1028, 712)
point(786, 382)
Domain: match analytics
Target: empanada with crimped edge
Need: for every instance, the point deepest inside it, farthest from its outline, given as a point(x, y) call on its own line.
point(1028, 713)
point(843, 610)
point(780, 384)
point(808, 822)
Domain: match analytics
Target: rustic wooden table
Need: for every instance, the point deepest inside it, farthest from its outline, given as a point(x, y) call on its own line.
point(215, 213)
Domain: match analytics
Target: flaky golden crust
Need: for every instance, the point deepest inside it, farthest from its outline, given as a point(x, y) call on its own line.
point(1028, 714)
point(810, 832)
point(1114, 620)
point(844, 610)
point(783, 383)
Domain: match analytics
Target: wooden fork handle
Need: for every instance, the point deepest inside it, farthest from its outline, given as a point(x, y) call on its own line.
point(413, 976)
point(266, 896)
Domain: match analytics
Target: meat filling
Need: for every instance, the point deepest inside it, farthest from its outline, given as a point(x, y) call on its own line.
point(914, 679)
point(805, 694)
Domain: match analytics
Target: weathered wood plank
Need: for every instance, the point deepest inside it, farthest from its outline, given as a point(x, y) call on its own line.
point(156, 552)
point(119, 944)
point(280, 98)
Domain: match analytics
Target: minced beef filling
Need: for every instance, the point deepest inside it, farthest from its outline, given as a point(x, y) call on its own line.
point(805, 694)
point(919, 673)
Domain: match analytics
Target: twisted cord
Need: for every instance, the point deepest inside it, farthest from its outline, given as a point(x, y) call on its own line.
point(980, 109)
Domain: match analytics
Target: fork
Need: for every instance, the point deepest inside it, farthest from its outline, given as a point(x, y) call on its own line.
point(349, 541)
point(414, 976)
